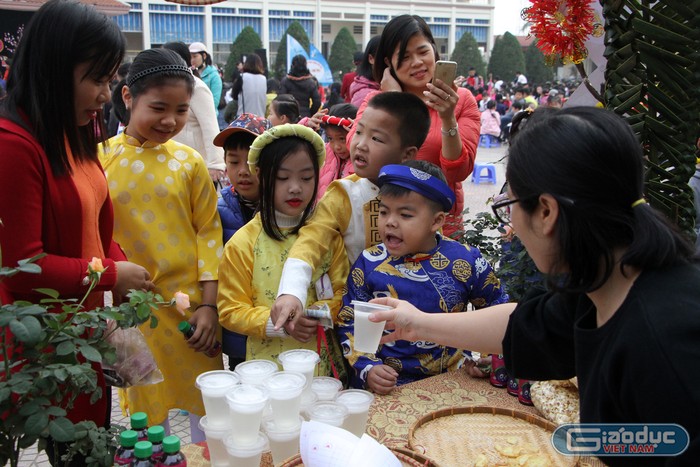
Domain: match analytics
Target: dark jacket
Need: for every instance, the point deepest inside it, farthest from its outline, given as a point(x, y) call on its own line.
point(305, 91)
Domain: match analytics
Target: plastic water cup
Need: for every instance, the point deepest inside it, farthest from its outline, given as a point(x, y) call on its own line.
point(284, 389)
point(214, 385)
point(284, 441)
point(302, 360)
point(307, 400)
point(328, 412)
point(255, 371)
point(215, 440)
point(367, 333)
point(248, 456)
point(326, 387)
point(246, 404)
point(357, 401)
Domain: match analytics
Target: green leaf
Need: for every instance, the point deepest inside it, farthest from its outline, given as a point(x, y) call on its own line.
point(62, 430)
point(28, 329)
point(154, 321)
point(54, 411)
point(29, 268)
point(4, 394)
point(90, 353)
point(65, 348)
point(31, 310)
point(36, 423)
point(50, 292)
point(5, 318)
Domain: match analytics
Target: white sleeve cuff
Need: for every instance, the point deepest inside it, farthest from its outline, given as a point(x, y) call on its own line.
point(296, 279)
point(270, 330)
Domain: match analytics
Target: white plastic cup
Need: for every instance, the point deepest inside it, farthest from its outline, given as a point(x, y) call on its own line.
point(215, 440)
point(302, 360)
point(367, 333)
point(284, 389)
point(284, 441)
point(214, 385)
point(248, 456)
point(328, 412)
point(255, 371)
point(307, 400)
point(357, 401)
point(326, 387)
point(246, 404)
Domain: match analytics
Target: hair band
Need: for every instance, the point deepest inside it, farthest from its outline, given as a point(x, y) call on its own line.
point(421, 182)
point(285, 131)
point(157, 69)
point(638, 202)
point(346, 123)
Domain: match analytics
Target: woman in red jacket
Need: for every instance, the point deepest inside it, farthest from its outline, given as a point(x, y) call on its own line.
point(53, 194)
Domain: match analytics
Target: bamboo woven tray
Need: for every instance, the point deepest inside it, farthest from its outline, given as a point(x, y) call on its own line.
point(407, 458)
point(467, 436)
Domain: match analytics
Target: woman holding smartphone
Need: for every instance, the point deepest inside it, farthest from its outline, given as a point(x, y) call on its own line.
point(406, 61)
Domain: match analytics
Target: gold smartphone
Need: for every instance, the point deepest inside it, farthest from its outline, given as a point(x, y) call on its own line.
point(445, 71)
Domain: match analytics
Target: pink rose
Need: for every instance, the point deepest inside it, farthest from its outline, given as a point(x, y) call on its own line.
point(182, 302)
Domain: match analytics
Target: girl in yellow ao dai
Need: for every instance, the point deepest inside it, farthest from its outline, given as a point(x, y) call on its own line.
point(286, 159)
point(166, 219)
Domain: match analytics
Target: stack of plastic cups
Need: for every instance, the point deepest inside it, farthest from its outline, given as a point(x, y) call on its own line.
point(246, 404)
point(248, 456)
point(217, 423)
point(284, 389)
point(302, 360)
point(255, 371)
point(307, 400)
point(214, 385)
point(328, 412)
point(357, 401)
point(215, 441)
point(284, 441)
point(326, 387)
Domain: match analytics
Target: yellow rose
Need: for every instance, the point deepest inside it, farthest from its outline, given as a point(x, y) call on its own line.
point(182, 302)
point(95, 265)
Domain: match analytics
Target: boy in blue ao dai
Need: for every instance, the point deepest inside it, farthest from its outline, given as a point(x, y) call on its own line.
point(414, 262)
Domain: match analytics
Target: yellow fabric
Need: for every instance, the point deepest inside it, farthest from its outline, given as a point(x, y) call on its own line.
point(249, 275)
point(165, 219)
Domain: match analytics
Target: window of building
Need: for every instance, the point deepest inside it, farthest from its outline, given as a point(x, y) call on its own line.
point(192, 9)
point(154, 7)
point(226, 28)
point(357, 29)
point(223, 11)
point(280, 13)
point(481, 21)
point(249, 11)
point(325, 29)
point(304, 14)
point(167, 27)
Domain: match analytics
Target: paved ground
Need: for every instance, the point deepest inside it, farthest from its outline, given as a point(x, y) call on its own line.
point(475, 198)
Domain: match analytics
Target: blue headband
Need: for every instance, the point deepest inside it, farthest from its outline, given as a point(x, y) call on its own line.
point(421, 182)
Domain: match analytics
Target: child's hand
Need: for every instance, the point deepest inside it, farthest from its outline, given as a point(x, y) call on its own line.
point(286, 309)
point(314, 122)
point(131, 276)
point(206, 319)
point(304, 329)
point(473, 370)
point(382, 379)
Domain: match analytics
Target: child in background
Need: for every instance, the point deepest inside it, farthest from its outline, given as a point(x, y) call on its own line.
point(390, 131)
point(287, 159)
point(491, 120)
point(336, 126)
point(283, 109)
point(414, 262)
point(237, 204)
point(166, 219)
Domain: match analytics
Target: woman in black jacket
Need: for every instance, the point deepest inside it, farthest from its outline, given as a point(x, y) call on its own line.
point(301, 84)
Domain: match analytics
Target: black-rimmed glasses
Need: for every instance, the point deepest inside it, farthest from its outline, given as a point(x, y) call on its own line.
point(501, 209)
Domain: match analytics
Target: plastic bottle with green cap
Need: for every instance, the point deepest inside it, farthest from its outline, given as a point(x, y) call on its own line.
point(172, 456)
point(156, 433)
point(142, 453)
point(125, 451)
point(139, 423)
point(188, 330)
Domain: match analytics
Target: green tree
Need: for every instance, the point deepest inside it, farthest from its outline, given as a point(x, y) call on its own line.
point(246, 43)
point(506, 57)
point(342, 50)
point(296, 30)
point(652, 79)
point(537, 70)
point(467, 54)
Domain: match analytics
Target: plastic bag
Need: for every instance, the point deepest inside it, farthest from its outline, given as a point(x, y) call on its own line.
point(135, 365)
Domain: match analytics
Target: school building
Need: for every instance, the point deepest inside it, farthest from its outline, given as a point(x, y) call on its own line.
point(154, 22)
